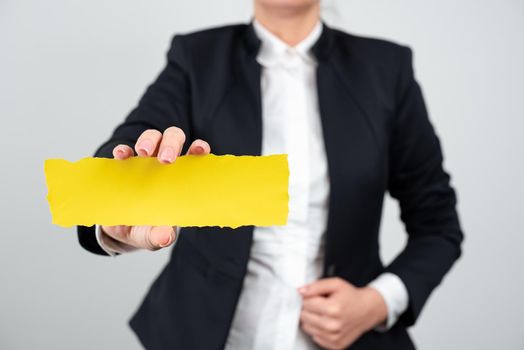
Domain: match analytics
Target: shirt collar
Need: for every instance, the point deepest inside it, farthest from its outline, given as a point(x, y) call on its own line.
point(273, 50)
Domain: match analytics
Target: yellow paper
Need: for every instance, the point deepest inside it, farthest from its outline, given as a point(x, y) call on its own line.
point(193, 191)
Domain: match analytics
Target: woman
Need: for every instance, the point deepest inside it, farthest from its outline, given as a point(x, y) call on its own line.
point(350, 115)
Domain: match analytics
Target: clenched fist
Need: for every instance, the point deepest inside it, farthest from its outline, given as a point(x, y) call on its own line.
point(335, 313)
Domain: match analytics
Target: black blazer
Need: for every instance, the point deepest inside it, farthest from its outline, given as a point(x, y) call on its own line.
point(378, 138)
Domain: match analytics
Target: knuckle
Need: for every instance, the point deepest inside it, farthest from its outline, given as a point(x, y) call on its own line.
point(138, 239)
point(149, 245)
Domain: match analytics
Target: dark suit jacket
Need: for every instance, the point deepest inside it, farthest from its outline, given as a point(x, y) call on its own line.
point(378, 138)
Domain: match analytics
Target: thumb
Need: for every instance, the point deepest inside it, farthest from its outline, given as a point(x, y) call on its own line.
point(161, 237)
point(322, 287)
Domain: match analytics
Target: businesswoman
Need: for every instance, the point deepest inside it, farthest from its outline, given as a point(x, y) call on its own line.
point(350, 115)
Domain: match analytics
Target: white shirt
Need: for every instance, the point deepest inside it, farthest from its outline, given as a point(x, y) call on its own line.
point(284, 258)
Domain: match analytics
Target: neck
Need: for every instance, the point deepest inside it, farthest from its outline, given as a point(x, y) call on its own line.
point(291, 25)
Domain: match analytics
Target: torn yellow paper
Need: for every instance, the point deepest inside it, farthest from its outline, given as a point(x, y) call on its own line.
point(193, 191)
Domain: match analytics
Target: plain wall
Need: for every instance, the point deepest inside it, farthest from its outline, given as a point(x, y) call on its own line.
point(71, 70)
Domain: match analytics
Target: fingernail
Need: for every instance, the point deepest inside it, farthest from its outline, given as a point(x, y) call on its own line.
point(165, 243)
point(199, 149)
point(120, 151)
point(167, 155)
point(146, 146)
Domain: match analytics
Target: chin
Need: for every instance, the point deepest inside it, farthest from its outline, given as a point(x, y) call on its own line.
point(289, 4)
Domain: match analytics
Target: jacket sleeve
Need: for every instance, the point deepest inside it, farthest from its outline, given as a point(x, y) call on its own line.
point(165, 103)
point(427, 201)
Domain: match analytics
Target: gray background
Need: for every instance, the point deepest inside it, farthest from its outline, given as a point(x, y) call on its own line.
point(70, 70)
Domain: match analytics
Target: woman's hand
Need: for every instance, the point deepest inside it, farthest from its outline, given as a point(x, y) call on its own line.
point(335, 313)
point(166, 147)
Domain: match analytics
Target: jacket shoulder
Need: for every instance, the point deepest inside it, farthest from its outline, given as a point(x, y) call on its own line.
point(207, 47)
point(214, 32)
point(210, 38)
point(385, 61)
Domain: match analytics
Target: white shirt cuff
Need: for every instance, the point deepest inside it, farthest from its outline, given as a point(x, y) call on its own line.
point(101, 239)
point(395, 294)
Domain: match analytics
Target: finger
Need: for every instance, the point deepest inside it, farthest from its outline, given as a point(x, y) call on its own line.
point(122, 152)
point(172, 142)
point(115, 231)
point(160, 237)
point(318, 305)
point(310, 329)
point(325, 343)
point(199, 147)
point(326, 306)
point(336, 341)
point(324, 324)
point(112, 239)
point(142, 237)
point(324, 286)
point(119, 233)
point(325, 340)
point(147, 143)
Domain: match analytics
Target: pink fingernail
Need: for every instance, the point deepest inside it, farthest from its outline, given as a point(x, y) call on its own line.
point(165, 243)
point(146, 146)
point(199, 149)
point(167, 155)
